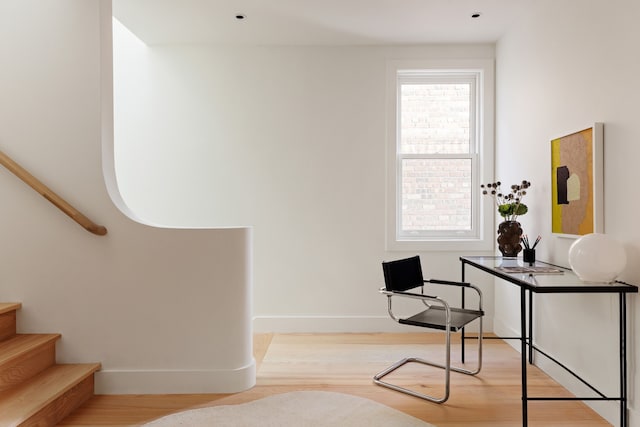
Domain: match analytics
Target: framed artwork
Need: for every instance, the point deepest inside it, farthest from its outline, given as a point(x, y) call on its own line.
point(577, 183)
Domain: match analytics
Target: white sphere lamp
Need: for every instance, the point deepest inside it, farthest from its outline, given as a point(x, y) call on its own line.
point(597, 257)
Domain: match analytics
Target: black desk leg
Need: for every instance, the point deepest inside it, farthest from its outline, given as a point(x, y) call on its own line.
point(523, 352)
point(623, 359)
point(530, 327)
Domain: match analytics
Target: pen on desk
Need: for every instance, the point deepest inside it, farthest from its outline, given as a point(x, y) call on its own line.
point(536, 242)
point(525, 241)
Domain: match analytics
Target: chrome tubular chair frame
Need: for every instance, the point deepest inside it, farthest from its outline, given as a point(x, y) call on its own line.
point(428, 300)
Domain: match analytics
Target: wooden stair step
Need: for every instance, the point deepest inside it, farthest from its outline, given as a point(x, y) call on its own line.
point(25, 355)
point(6, 307)
point(48, 397)
point(8, 319)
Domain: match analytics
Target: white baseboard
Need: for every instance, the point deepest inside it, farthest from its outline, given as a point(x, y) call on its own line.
point(175, 382)
point(337, 324)
point(634, 417)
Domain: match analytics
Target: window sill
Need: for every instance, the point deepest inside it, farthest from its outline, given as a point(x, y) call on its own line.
point(440, 245)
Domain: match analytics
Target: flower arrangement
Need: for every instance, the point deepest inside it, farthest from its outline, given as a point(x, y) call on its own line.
point(510, 205)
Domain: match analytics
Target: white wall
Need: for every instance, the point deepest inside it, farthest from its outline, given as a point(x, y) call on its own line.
point(163, 310)
point(560, 68)
point(289, 140)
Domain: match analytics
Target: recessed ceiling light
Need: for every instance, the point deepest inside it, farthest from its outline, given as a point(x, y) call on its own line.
point(240, 16)
point(476, 15)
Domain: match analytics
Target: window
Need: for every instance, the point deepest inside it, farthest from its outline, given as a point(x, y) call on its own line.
point(439, 151)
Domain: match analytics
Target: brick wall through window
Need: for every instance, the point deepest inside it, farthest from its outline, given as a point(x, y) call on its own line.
point(436, 192)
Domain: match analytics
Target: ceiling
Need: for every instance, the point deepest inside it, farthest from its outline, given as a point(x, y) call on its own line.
point(317, 22)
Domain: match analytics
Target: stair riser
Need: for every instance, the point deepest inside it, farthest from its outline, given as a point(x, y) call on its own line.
point(57, 410)
point(7, 325)
point(21, 369)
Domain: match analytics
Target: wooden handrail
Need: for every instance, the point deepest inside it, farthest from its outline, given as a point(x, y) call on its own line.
point(48, 194)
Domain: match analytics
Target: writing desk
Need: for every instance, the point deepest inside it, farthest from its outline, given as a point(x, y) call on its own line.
point(566, 282)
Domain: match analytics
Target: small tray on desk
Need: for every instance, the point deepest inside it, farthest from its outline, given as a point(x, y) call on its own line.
point(534, 269)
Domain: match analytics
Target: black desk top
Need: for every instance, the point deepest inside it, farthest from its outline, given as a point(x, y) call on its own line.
point(563, 282)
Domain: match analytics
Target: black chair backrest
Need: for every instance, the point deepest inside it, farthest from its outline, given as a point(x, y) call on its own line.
point(402, 274)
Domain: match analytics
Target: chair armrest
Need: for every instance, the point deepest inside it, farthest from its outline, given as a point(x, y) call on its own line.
point(410, 295)
point(447, 282)
point(461, 284)
point(422, 297)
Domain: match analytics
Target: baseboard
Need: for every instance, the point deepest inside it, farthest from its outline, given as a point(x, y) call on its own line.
point(175, 382)
point(338, 324)
point(634, 417)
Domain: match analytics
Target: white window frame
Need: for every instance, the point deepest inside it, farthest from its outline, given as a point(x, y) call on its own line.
point(481, 72)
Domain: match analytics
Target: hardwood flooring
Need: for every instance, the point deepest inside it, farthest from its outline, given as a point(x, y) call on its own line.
point(345, 363)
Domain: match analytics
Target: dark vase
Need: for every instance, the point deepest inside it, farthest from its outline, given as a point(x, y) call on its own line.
point(509, 233)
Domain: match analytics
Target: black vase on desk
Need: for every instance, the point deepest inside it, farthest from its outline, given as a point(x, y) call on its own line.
point(509, 234)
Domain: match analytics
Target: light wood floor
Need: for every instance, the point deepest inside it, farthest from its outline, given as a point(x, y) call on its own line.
point(345, 363)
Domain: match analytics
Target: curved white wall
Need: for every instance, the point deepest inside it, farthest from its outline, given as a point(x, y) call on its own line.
point(163, 310)
point(288, 139)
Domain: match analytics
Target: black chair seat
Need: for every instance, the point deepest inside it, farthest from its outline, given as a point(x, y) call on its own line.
point(435, 318)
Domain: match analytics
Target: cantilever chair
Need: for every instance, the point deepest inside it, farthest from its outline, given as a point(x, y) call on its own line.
point(402, 279)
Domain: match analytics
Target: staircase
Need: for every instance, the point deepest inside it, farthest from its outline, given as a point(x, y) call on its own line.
point(34, 390)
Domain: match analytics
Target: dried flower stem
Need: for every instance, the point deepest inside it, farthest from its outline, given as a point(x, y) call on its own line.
point(509, 205)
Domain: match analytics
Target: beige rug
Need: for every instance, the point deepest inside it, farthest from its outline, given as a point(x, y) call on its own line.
point(295, 409)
